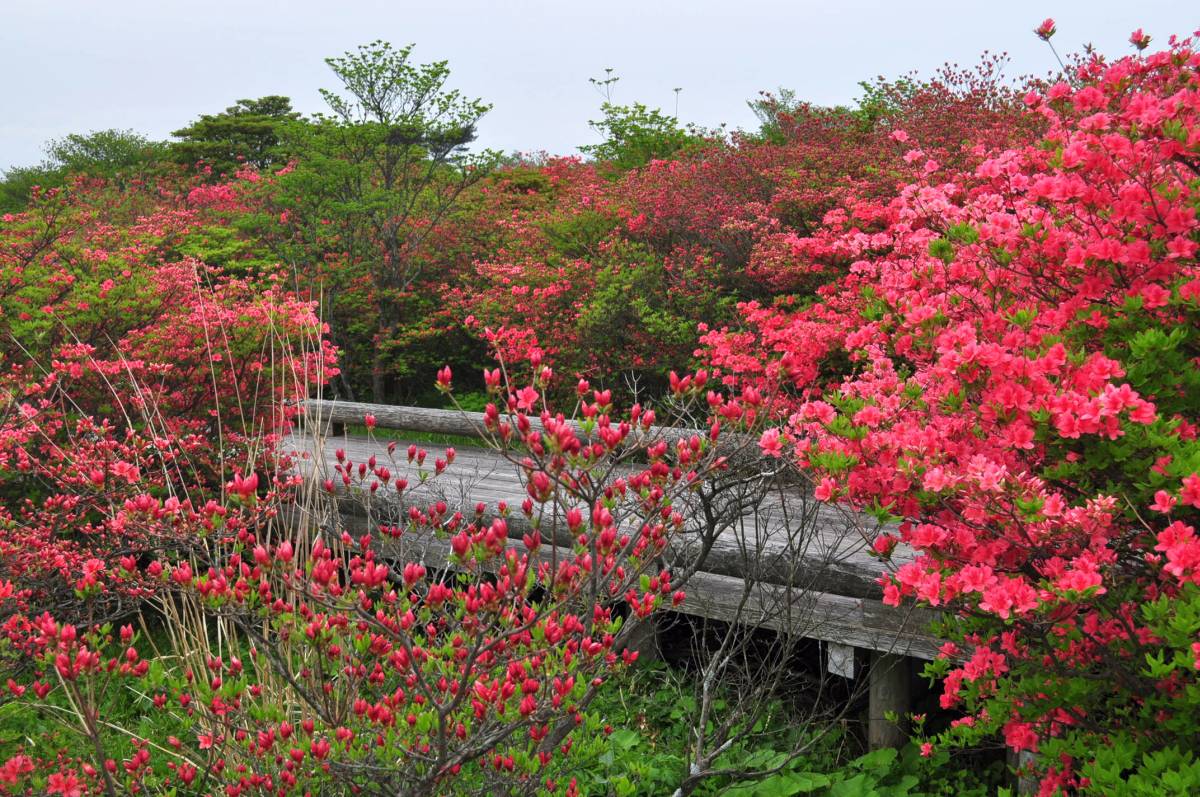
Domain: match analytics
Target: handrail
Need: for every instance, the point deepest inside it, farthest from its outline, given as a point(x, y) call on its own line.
point(388, 416)
point(435, 421)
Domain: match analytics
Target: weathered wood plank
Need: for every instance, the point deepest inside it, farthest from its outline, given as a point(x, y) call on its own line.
point(834, 557)
point(807, 613)
point(810, 614)
point(416, 419)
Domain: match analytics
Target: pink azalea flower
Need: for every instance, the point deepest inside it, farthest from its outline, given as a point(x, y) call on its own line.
point(1139, 39)
point(1163, 502)
point(1190, 494)
point(1046, 29)
point(770, 444)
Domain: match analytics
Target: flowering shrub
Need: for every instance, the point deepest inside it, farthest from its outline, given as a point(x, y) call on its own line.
point(132, 387)
point(345, 669)
point(1008, 365)
point(639, 261)
point(149, 509)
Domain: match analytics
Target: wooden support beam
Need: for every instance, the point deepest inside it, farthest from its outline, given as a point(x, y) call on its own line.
point(889, 694)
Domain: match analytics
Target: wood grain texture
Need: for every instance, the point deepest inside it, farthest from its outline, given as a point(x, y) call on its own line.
point(858, 622)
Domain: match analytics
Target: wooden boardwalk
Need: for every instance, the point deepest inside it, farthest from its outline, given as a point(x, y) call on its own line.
point(792, 563)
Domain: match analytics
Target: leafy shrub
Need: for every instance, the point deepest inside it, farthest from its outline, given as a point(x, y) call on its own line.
point(634, 135)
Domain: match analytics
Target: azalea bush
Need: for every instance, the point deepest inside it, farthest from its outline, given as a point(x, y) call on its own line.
point(164, 550)
point(1007, 365)
point(138, 386)
point(133, 386)
point(152, 554)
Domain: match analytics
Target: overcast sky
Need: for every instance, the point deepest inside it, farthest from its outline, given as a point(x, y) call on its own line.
point(153, 65)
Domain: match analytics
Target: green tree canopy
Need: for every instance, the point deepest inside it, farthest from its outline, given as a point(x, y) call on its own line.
point(635, 134)
point(247, 132)
point(101, 153)
point(375, 178)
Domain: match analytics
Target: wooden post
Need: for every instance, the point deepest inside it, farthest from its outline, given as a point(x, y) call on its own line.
point(888, 694)
point(1021, 764)
point(643, 638)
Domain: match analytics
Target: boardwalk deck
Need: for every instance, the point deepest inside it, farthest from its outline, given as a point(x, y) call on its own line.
point(821, 584)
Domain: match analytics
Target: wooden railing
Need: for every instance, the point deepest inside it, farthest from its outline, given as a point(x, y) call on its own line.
point(335, 415)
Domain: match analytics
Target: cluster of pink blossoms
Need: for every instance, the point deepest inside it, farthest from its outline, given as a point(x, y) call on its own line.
point(1008, 366)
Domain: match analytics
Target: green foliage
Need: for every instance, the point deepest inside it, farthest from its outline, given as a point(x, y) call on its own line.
point(18, 183)
point(382, 86)
point(1119, 771)
point(646, 749)
point(633, 309)
point(226, 247)
point(634, 135)
point(247, 132)
point(1162, 762)
point(374, 182)
point(48, 727)
point(580, 234)
point(521, 178)
point(882, 100)
point(773, 110)
point(1157, 759)
point(102, 153)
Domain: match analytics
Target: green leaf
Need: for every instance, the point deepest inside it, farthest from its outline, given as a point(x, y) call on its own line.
point(858, 786)
point(624, 739)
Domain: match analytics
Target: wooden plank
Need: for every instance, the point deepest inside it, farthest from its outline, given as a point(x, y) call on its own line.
point(810, 614)
point(417, 419)
point(832, 556)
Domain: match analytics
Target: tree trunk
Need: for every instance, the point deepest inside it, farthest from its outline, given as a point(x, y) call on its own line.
point(378, 380)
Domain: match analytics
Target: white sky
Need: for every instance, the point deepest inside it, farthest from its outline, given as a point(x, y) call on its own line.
point(153, 65)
